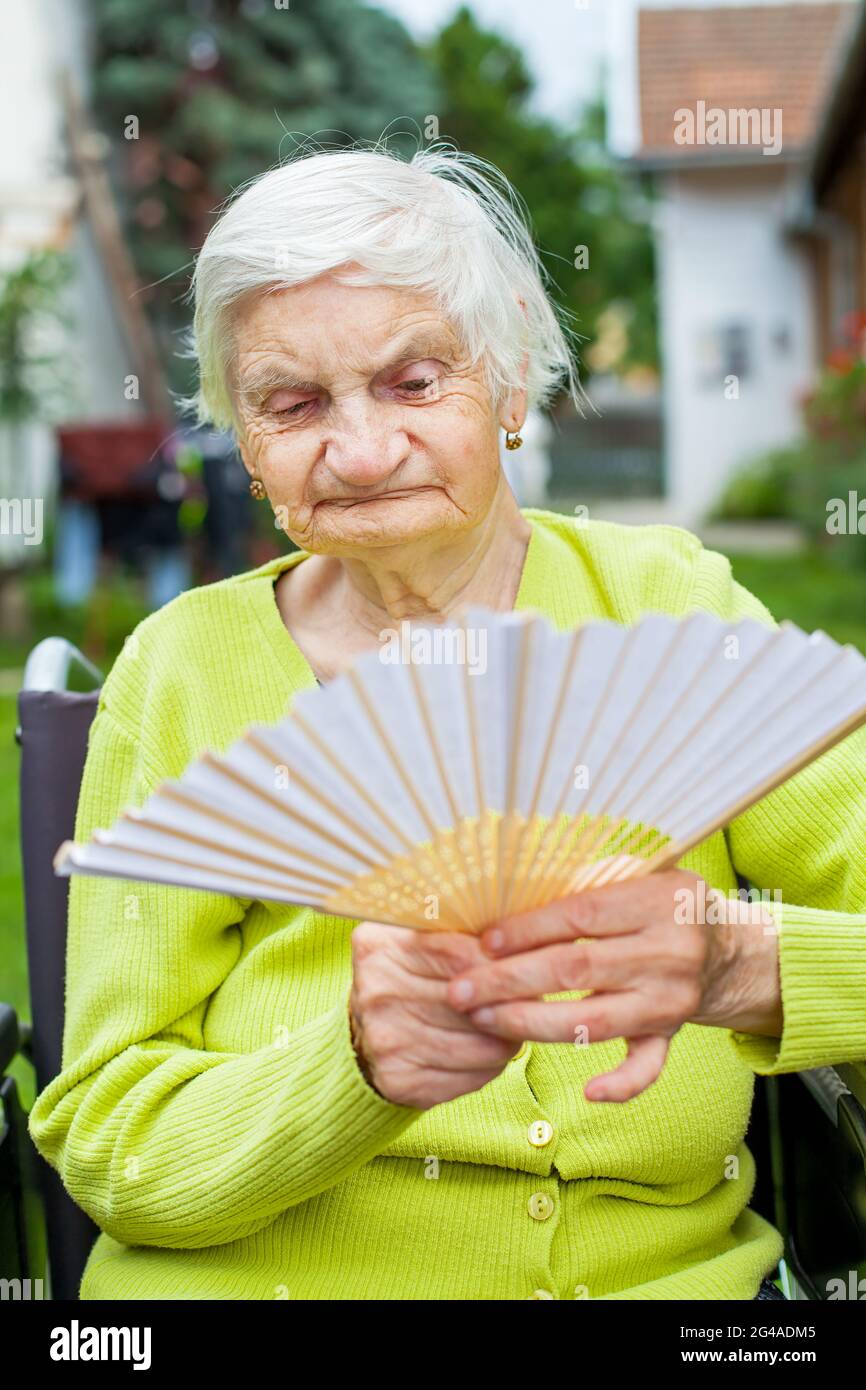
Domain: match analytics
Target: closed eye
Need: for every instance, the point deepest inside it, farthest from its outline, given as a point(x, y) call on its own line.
point(284, 412)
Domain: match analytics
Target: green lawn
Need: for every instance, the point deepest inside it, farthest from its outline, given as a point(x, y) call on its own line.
point(805, 588)
point(802, 587)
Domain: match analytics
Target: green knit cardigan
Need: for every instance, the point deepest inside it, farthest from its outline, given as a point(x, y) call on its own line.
point(210, 1114)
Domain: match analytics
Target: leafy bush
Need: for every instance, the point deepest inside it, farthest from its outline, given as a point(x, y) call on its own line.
point(821, 481)
point(761, 491)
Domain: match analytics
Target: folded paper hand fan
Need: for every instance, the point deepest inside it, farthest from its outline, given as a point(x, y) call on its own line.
point(491, 765)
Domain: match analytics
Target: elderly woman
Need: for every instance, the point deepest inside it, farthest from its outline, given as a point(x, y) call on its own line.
point(259, 1102)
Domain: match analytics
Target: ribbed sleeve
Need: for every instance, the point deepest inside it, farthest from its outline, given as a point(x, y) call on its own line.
point(162, 1140)
point(822, 959)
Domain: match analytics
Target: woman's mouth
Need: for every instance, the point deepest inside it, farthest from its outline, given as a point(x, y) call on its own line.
point(380, 497)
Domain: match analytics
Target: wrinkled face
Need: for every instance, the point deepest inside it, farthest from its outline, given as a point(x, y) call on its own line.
point(359, 411)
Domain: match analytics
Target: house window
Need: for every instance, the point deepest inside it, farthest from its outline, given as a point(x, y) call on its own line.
point(724, 350)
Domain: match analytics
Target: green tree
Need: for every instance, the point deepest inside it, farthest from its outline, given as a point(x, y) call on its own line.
point(202, 95)
point(577, 197)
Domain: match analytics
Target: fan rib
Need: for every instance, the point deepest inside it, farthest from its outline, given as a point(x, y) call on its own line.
point(634, 836)
point(555, 836)
point(299, 818)
point(353, 781)
point(599, 841)
point(397, 763)
point(815, 750)
point(770, 718)
point(184, 796)
point(524, 885)
point(191, 864)
point(149, 822)
point(506, 827)
point(318, 795)
point(484, 822)
point(440, 765)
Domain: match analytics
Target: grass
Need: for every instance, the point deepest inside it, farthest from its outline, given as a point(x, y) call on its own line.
point(808, 590)
point(803, 587)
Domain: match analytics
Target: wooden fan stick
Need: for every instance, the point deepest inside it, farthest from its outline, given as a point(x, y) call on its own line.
point(567, 847)
point(660, 815)
point(606, 863)
point(720, 767)
point(610, 801)
point(558, 867)
point(397, 763)
point(555, 717)
point(554, 836)
point(186, 798)
point(684, 695)
point(505, 837)
point(161, 858)
point(680, 791)
point(297, 817)
point(386, 865)
point(387, 744)
point(312, 790)
point(673, 852)
point(262, 860)
point(353, 781)
point(456, 815)
point(480, 794)
point(290, 813)
point(580, 849)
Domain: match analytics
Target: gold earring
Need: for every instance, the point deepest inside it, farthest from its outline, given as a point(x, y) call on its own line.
point(257, 488)
point(513, 441)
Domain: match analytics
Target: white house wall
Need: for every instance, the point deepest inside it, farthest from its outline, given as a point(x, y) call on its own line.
point(723, 259)
point(46, 37)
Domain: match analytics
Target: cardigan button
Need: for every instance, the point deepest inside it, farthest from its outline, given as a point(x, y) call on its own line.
point(544, 1294)
point(524, 1047)
point(540, 1133)
point(540, 1206)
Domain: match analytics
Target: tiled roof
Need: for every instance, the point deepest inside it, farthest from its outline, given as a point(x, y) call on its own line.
point(755, 56)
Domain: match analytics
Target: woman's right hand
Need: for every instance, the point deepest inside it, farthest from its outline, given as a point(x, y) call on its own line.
point(412, 1046)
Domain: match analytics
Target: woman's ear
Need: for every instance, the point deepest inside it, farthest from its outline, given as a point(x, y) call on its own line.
point(513, 410)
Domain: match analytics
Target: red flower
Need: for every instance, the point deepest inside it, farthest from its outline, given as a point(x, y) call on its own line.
point(841, 360)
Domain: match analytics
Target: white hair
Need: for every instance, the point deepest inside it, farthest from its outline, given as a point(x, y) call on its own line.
point(444, 223)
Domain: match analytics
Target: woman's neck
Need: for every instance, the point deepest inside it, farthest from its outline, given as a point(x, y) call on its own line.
point(343, 604)
point(483, 566)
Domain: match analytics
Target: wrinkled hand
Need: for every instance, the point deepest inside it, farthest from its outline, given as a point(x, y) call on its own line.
point(649, 972)
point(414, 1047)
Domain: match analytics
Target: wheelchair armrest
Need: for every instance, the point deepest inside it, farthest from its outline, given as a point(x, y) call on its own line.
point(10, 1036)
point(819, 1169)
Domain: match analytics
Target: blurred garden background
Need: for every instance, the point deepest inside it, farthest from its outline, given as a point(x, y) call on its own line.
point(718, 286)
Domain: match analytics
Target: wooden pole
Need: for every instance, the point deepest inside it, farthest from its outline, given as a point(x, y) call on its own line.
point(87, 150)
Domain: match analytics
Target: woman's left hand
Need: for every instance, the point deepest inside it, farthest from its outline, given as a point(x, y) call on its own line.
point(652, 965)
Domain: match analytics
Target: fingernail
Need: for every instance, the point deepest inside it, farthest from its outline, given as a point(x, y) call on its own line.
point(483, 1016)
point(463, 991)
point(494, 940)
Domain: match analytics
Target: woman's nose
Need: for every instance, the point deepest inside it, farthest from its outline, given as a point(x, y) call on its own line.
point(363, 447)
